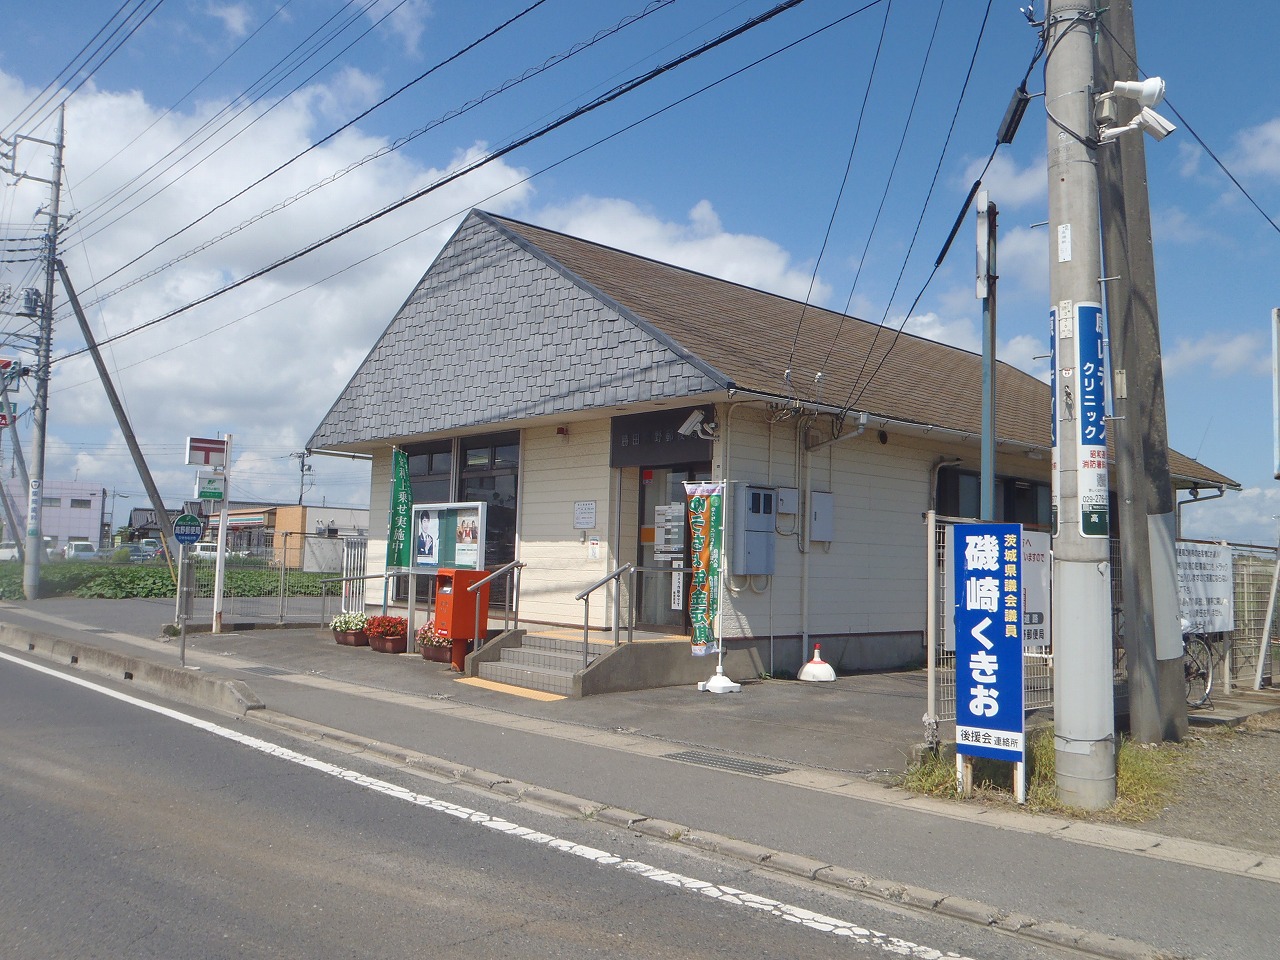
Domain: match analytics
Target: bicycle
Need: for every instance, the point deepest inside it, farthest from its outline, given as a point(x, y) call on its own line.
point(1197, 666)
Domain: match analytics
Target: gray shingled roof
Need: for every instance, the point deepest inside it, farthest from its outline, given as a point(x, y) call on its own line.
point(659, 331)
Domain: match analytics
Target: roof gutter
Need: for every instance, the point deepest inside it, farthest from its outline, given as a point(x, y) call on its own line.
point(339, 453)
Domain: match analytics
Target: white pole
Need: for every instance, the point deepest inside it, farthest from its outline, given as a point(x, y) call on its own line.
point(220, 567)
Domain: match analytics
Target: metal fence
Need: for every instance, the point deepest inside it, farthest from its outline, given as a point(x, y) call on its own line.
point(276, 579)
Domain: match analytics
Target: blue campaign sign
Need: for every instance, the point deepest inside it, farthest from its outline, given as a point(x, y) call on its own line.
point(988, 617)
point(187, 529)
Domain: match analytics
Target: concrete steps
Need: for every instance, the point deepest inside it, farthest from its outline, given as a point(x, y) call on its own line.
point(542, 663)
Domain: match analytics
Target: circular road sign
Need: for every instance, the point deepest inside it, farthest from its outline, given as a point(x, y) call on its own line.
point(187, 528)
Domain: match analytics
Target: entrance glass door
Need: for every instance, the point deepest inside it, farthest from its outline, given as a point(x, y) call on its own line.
point(662, 586)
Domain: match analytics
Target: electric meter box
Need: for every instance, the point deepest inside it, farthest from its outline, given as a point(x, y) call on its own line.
point(754, 510)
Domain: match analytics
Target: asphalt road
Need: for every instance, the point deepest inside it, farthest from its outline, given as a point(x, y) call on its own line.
point(127, 833)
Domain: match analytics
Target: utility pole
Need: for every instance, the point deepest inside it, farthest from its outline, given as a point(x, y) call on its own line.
point(35, 494)
point(303, 469)
point(986, 291)
point(1145, 501)
point(126, 429)
point(1084, 707)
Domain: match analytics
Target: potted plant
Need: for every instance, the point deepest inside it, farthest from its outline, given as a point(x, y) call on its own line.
point(433, 647)
point(388, 634)
point(349, 629)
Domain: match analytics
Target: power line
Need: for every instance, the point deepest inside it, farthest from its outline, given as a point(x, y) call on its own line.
point(594, 104)
point(835, 207)
point(915, 234)
point(319, 143)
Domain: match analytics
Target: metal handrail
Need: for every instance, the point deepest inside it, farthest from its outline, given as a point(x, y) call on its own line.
point(512, 605)
point(585, 597)
point(384, 577)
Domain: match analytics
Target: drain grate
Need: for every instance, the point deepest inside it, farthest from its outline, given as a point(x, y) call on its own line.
point(266, 671)
point(721, 762)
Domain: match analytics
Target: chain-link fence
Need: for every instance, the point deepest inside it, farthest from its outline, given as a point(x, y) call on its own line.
point(1253, 571)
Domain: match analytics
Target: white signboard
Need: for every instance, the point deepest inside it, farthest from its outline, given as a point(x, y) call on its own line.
point(1036, 574)
point(584, 515)
point(210, 485)
point(1205, 586)
point(206, 452)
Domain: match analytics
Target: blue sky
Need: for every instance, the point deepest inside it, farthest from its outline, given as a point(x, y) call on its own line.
point(739, 180)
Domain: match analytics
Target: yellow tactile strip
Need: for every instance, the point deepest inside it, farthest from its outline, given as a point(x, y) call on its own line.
point(508, 688)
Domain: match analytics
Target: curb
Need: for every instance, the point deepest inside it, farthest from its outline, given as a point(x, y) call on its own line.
point(174, 683)
point(1051, 933)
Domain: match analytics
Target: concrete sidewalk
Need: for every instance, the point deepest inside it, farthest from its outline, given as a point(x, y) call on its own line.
point(863, 725)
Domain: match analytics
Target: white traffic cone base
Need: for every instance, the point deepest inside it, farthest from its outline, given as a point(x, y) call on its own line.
point(817, 669)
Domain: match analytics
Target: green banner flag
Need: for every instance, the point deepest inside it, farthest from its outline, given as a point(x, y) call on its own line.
point(399, 544)
point(706, 525)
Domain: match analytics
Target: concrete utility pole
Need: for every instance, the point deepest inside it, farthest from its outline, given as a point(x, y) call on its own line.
point(35, 493)
point(986, 291)
point(122, 419)
point(1084, 708)
point(1145, 501)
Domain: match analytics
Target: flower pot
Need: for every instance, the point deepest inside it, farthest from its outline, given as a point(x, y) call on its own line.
point(351, 638)
point(389, 644)
point(437, 654)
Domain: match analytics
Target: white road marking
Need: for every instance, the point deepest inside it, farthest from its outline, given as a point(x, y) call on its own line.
point(730, 896)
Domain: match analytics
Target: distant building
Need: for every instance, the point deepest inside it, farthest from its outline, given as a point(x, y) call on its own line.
point(71, 511)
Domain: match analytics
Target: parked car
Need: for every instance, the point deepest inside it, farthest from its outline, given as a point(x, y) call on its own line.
point(8, 550)
point(80, 550)
point(150, 547)
point(130, 552)
point(204, 551)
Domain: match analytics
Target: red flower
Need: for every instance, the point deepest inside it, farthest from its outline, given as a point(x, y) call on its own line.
point(388, 627)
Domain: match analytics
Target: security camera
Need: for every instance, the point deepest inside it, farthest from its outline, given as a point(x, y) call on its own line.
point(692, 423)
point(1155, 125)
point(1150, 121)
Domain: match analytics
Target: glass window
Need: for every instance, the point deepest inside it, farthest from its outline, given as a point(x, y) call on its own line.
point(78, 504)
point(1016, 500)
point(54, 502)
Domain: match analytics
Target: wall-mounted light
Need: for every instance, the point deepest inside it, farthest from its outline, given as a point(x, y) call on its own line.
point(562, 432)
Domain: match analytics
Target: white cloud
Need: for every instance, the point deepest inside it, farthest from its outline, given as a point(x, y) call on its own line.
point(1258, 150)
point(1009, 185)
point(408, 20)
point(243, 363)
point(235, 17)
point(1222, 356)
point(701, 244)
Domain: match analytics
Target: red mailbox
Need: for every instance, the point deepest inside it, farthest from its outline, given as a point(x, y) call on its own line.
point(456, 605)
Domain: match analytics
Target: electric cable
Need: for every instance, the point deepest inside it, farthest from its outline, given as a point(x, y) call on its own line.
point(844, 181)
point(386, 149)
point(851, 400)
point(1195, 135)
point(71, 64)
point(594, 104)
point(617, 133)
point(278, 11)
point(85, 79)
point(334, 133)
point(226, 116)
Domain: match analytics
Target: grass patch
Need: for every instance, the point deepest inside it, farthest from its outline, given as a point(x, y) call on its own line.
point(1146, 779)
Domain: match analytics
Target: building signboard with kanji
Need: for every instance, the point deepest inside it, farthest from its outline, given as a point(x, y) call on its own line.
point(988, 629)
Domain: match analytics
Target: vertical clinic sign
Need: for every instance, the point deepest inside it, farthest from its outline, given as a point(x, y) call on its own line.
point(988, 620)
point(706, 530)
point(400, 515)
point(1078, 390)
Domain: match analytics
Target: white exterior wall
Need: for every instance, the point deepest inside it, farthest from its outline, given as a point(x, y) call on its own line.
point(556, 472)
point(869, 582)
